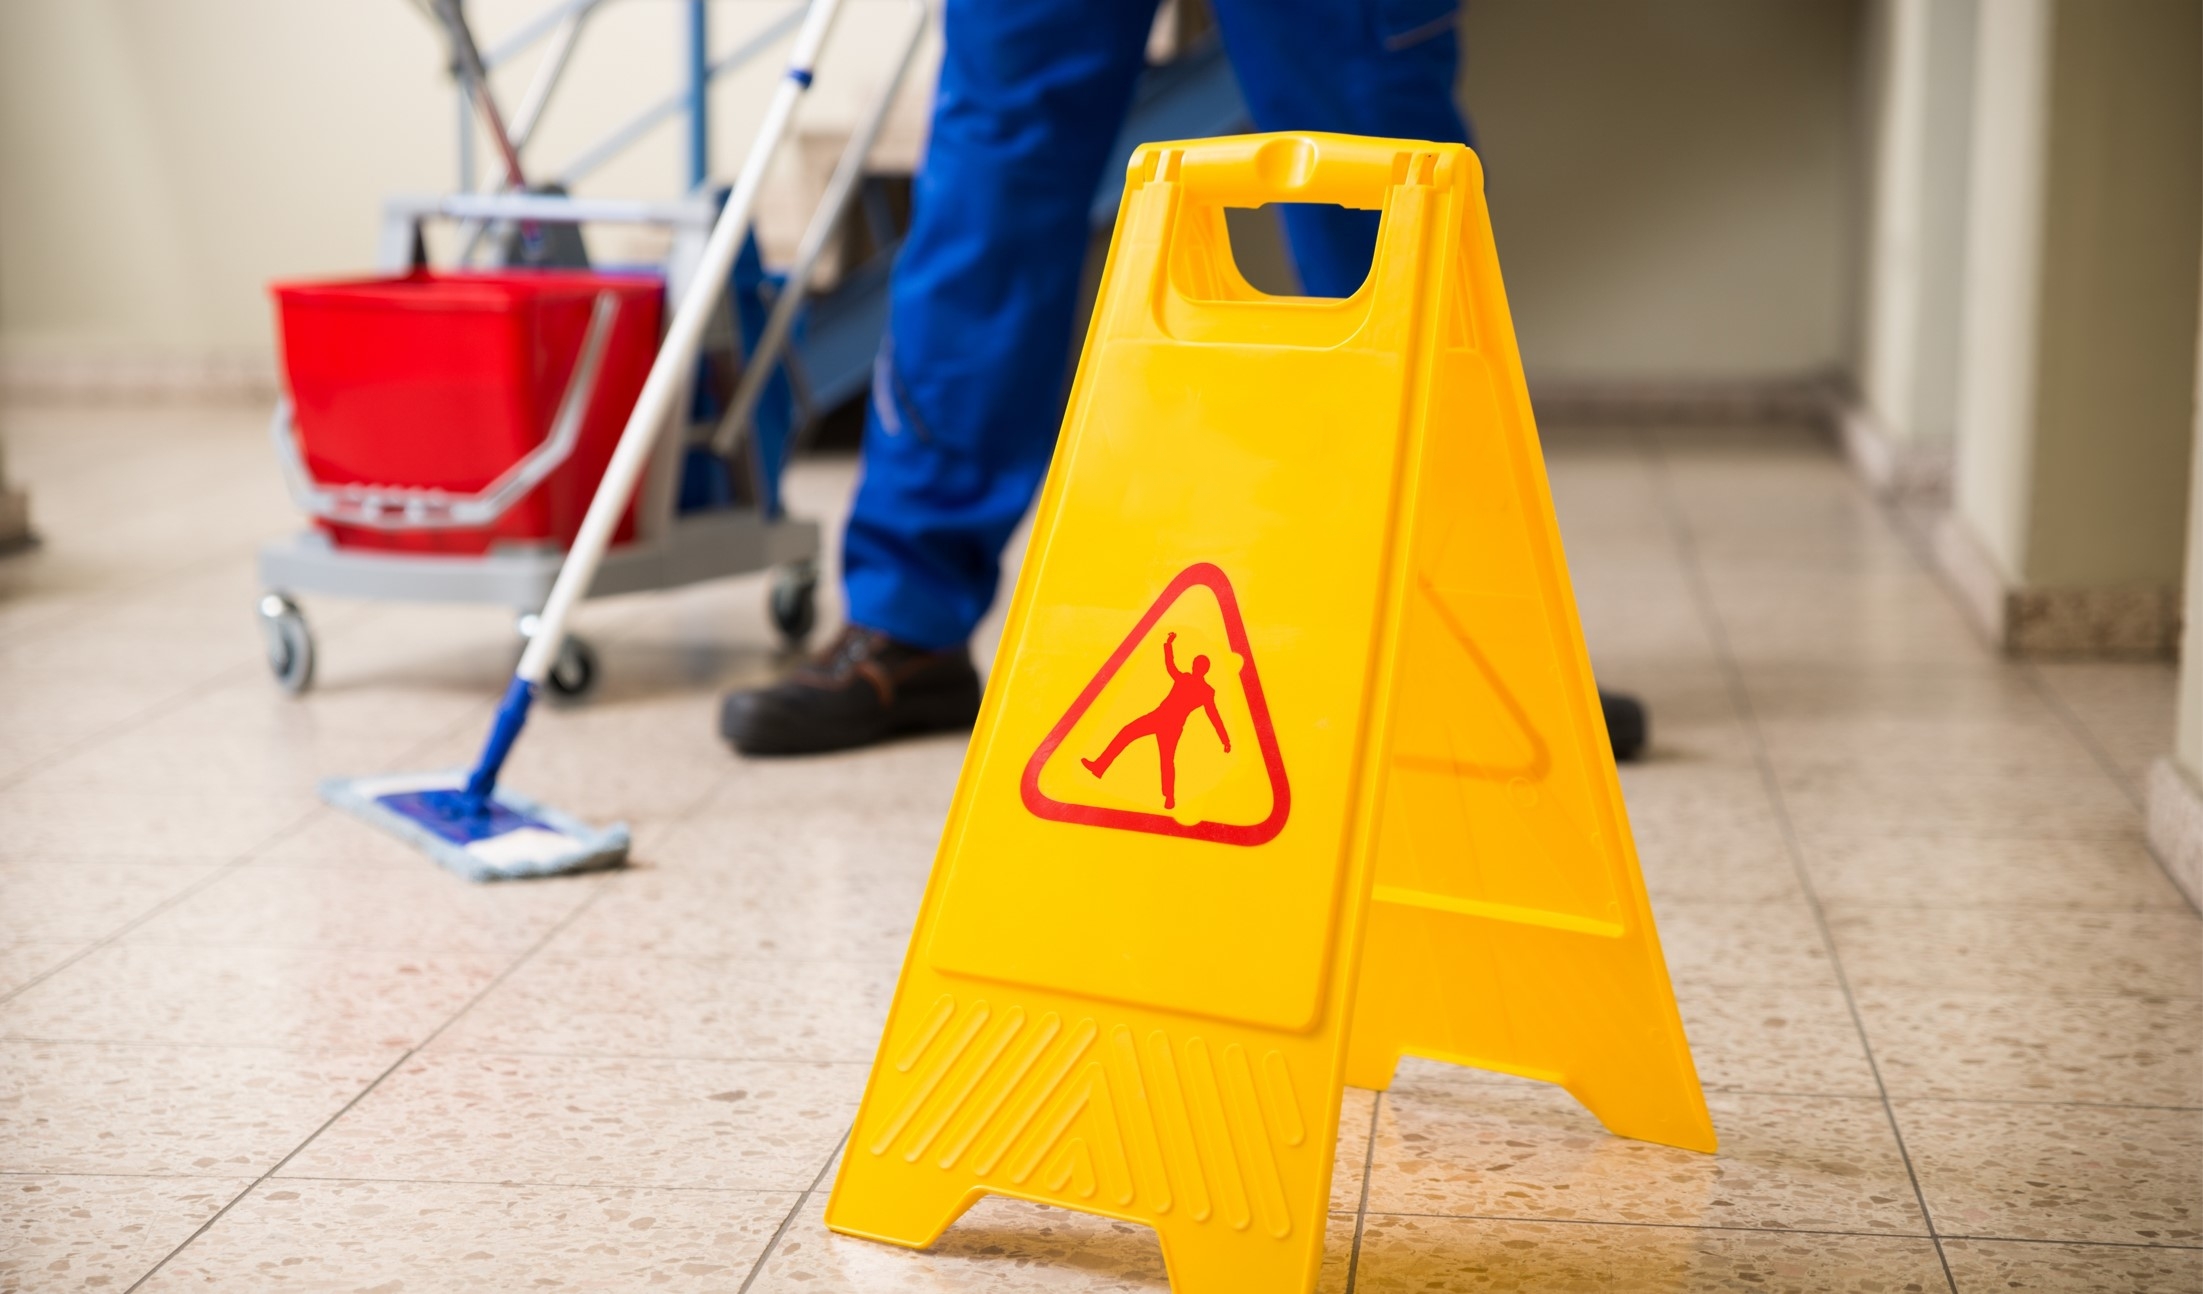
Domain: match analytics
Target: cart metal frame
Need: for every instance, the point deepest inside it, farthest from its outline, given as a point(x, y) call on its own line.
point(671, 548)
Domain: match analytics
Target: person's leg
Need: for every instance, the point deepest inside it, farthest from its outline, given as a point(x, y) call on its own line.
point(1355, 67)
point(967, 393)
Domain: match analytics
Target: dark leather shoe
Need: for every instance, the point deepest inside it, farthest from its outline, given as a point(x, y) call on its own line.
point(862, 688)
point(1627, 724)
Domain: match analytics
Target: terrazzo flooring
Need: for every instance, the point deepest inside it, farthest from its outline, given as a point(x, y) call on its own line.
point(1948, 1011)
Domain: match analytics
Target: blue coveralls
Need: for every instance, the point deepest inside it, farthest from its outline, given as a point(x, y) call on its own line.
point(968, 390)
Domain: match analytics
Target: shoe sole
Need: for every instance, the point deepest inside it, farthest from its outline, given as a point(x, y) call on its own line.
point(921, 716)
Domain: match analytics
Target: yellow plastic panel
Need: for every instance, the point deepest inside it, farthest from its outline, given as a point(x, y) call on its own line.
point(1297, 554)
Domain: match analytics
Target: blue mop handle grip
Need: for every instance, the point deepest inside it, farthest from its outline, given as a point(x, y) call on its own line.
point(512, 715)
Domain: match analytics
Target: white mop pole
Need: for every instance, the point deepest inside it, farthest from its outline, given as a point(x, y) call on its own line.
point(655, 404)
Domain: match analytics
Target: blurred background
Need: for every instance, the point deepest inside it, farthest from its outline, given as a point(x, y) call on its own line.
point(1960, 236)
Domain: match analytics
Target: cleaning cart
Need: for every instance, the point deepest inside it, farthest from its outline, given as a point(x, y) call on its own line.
point(445, 429)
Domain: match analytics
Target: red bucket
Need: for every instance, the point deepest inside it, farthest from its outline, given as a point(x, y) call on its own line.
point(445, 382)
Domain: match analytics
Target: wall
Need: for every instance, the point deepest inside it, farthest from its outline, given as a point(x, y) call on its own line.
point(1913, 277)
point(1673, 180)
point(2085, 217)
point(162, 160)
point(1673, 185)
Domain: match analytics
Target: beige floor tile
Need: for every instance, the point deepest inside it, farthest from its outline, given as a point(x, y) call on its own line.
point(21, 963)
point(351, 1236)
point(1743, 944)
point(1431, 1255)
point(331, 838)
point(1784, 618)
point(423, 909)
point(1525, 1150)
point(826, 917)
point(1001, 1245)
point(1953, 705)
point(136, 763)
point(1993, 1266)
point(82, 901)
point(99, 1232)
point(196, 828)
point(562, 1120)
point(915, 774)
point(1985, 950)
point(724, 1008)
point(1980, 1046)
point(1829, 740)
point(1691, 862)
point(300, 998)
point(168, 1111)
point(1715, 809)
point(1977, 871)
point(2127, 707)
point(854, 840)
point(73, 707)
point(1793, 1040)
point(1917, 801)
point(2051, 1172)
point(1355, 1107)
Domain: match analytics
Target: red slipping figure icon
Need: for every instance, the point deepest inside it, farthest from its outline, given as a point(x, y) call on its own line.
point(1166, 723)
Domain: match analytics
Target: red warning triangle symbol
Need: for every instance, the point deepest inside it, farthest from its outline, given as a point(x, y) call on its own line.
point(1182, 714)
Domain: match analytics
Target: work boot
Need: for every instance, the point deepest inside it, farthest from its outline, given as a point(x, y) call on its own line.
point(861, 688)
point(1627, 724)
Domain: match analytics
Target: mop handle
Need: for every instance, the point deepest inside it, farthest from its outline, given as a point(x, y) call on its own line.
point(665, 382)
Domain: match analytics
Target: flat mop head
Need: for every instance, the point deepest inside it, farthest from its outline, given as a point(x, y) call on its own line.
point(506, 837)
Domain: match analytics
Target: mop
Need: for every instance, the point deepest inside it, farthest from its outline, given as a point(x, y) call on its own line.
point(462, 818)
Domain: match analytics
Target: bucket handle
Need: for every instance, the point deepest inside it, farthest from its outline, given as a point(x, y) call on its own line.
point(406, 507)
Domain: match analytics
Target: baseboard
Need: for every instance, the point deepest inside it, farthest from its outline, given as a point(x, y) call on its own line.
point(70, 374)
point(1810, 400)
point(1900, 471)
point(2129, 623)
point(2176, 826)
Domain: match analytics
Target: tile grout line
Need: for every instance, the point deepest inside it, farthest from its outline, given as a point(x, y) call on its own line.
point(598, 883)
point(1361, 1210)
point(1916, 544)
point(2104, 762)
point(1740, 696)
point(160, 709)
point(376, 1082)
point(222, 870)
point(205, 686)
point(2080, 732)
point(1787, 1231)
point(764, 1255)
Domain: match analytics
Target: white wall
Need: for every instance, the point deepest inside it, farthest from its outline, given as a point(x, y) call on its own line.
point(1914, 276)
point(162, 160)
point(1673, 180)
point(1673, 185)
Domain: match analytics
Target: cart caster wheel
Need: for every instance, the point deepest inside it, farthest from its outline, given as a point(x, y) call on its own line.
point(574, 673)
point(794, 602)
point(290, 643)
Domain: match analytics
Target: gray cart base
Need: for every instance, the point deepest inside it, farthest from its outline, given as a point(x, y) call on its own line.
point(706, 547)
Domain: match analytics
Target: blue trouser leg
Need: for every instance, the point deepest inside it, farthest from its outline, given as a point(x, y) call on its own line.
point(968, 391)
point(969, 387)
point(1373, 67)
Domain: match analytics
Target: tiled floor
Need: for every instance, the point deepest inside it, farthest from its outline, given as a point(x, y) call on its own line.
point(1948, 1011)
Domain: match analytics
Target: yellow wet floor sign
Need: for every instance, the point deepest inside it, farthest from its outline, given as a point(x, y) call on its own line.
point(1291, 763)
